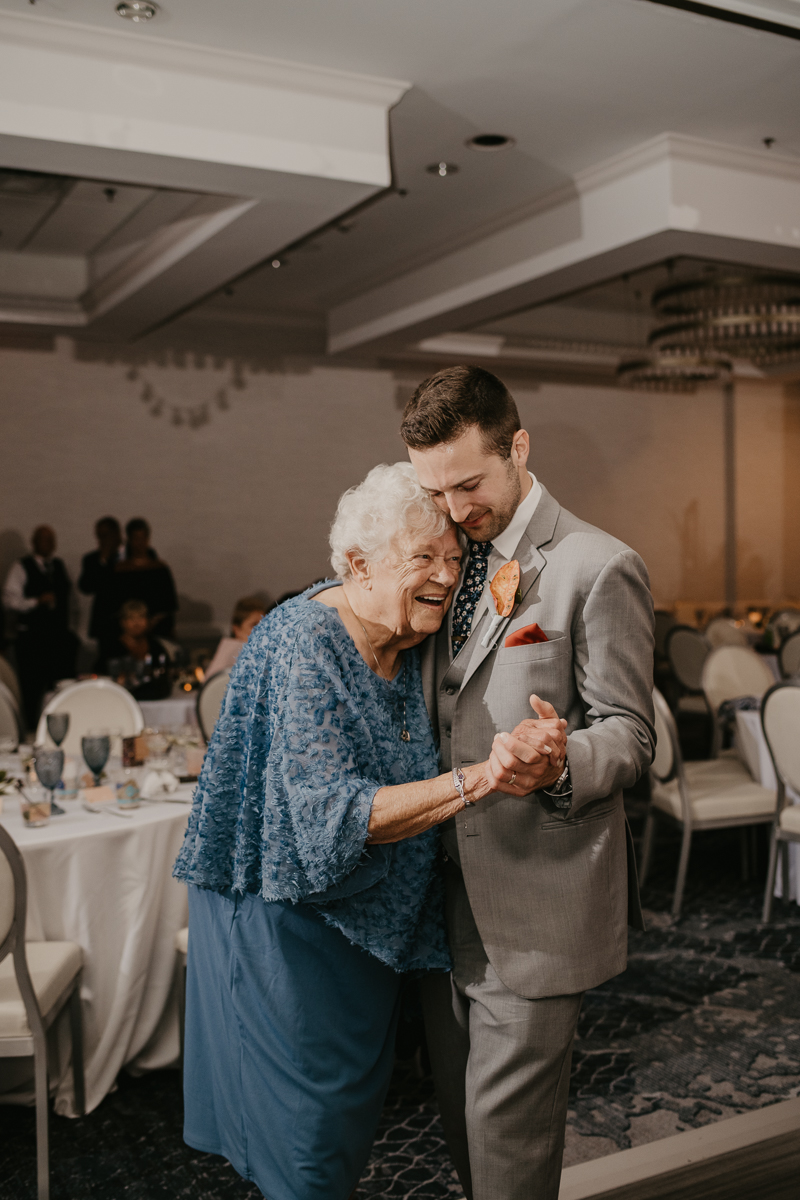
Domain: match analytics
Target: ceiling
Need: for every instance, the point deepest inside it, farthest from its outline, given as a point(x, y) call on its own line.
point(574, 82)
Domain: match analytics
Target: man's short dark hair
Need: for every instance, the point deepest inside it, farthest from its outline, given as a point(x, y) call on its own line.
point(108, 523)
point(137, 525)
point(453, 400)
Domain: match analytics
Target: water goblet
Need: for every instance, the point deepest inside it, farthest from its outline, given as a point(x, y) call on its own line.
point(96, 748)
point(49, 766)
point(57, 726)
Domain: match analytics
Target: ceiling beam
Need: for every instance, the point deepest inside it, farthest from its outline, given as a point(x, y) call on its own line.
point(670, 196)
point(749, 15)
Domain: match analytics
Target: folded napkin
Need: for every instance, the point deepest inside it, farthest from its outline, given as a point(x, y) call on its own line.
point(529, 635)
point(158, 784)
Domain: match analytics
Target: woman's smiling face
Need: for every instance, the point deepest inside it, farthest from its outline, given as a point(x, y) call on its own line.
point(412, 588)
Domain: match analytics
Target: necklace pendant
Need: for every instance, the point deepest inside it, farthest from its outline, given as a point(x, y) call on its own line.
point(405, 736)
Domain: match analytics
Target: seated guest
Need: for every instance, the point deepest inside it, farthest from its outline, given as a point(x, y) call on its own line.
point(248, 612)
point(136, 658)
point(96, 579)
point(37, 590)
point(141, 575)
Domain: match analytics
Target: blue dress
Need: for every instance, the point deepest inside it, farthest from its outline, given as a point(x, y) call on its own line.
point(300, 934)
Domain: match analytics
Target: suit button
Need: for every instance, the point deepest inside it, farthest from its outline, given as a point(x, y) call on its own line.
point(451, 691)
point(447, 733)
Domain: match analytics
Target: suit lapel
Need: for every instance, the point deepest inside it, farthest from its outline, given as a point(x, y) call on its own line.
point(531, 561)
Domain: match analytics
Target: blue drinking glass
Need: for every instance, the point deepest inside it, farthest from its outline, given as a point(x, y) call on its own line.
point(96, 749)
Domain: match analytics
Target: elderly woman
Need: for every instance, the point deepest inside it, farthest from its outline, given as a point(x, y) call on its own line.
point(311, 854)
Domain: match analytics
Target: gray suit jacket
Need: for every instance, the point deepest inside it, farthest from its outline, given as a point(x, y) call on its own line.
point(552, 893)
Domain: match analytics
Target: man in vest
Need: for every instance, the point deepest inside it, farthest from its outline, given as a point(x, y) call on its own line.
point(37, 590)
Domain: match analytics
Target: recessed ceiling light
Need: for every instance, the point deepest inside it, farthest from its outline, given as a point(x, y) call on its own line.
point(442, 168)
point(277, 262)
point(138, 10)
point(487, 142)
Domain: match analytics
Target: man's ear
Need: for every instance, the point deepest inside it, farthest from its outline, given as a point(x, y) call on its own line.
point(520, 448)
point(360, 569)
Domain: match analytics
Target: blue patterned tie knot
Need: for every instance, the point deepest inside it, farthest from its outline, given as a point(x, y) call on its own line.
point(471, 591)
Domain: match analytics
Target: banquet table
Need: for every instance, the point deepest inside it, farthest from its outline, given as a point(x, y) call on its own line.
point(752, 746)
point(105, 882)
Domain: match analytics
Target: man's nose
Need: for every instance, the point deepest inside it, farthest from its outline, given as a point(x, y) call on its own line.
point(459, 506)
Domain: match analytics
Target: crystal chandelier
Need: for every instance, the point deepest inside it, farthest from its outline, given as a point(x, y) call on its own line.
point(674, 371)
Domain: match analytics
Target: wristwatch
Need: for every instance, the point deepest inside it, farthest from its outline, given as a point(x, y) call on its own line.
point(562, 786)
point(458, 781)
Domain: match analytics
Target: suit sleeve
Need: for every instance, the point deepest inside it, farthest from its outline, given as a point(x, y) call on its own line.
point(613, 647)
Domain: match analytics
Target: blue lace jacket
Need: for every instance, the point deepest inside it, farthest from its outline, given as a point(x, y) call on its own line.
point(306, 736)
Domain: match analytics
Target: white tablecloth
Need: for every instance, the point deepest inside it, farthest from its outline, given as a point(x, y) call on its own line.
point(106, 883)
point(170, 714)
point(752, 745)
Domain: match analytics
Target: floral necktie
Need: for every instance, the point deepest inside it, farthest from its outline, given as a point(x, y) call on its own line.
point(470, 594)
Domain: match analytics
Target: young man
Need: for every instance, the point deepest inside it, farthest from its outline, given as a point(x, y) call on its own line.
point(539, 887)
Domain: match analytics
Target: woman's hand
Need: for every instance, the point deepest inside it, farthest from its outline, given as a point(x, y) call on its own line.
point(532, 756)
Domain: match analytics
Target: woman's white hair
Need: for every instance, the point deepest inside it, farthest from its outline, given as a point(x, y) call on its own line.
point(388, 505)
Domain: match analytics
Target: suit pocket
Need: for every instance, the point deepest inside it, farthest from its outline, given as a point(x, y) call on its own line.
point(579, 822)
point(557, 644)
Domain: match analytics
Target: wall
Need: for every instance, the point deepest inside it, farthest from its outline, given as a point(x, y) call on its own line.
point(243, 502)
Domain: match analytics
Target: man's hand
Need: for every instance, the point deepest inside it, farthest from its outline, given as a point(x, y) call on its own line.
point(532, 754)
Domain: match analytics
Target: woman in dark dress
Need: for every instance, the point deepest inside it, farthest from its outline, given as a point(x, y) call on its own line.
point(135, 658)
point(141, 575)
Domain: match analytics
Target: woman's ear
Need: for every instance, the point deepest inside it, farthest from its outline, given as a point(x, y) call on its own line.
point(360, 569)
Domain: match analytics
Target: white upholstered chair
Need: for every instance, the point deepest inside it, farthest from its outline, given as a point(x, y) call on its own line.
point(37, 980)
point(716, 793)
point(9, 715)
point(91, 704)
point(687, 649)
point(8, 676)
point(789, 656)
point(730, 672)
point(209, 702)
point(780, 720)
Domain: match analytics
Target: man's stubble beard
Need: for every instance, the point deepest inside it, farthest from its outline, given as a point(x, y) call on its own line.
point(501, 518)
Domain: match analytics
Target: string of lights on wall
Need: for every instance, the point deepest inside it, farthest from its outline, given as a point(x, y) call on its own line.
point(193, 416)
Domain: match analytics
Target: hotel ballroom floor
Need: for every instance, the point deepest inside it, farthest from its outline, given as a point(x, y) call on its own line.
point(704, 1024)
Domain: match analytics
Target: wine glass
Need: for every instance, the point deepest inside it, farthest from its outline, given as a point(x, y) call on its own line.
point(57, 726)
point(49, 766)
point(96, 748)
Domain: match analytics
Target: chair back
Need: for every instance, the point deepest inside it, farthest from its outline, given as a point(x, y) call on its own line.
point(13, 910)
point(92, 704)
point(723, 631)
point(209, 702)
point(663, 764)
point(8, 676)
point(783, 624)
point(789, 657)
point(733, 671)
point(9, 715)
point(664, 622)
point(780, 720)
point(687, 650)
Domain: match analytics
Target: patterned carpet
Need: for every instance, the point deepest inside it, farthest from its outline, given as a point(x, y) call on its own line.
point(704, 1024)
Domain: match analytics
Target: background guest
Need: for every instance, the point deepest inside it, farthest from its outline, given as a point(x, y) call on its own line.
point(136, 658)
point(96, 579)
point(37, 590)
point(141, 575)
point(246, 615)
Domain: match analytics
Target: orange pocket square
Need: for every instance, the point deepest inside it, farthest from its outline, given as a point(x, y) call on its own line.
point(527, 636)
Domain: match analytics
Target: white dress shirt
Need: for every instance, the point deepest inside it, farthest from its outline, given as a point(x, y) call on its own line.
point(14, 588)
point(504, 547)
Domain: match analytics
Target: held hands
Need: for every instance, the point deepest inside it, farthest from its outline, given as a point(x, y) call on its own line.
point(532, 755)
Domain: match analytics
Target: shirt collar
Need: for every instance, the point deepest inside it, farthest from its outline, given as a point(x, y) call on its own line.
point(506, 542)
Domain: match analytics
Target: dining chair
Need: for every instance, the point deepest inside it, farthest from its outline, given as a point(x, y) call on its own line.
point(687, 649)
point(181, 953)
point(717, 793)
point(37, 981)
point(789, 656)
point(729, 673)
point(209, 702)
point(10, 724)
point(9, 677)
point(780, 720)
point(92, 704)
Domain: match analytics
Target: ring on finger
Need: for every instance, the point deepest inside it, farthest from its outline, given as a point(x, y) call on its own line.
point(513, 777)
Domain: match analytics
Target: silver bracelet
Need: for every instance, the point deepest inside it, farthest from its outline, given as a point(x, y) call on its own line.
point(458, 780)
